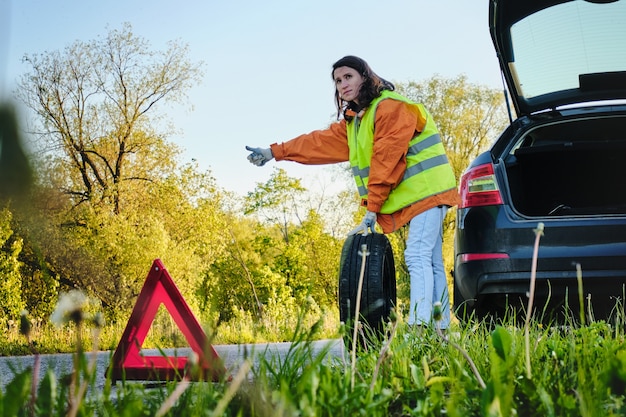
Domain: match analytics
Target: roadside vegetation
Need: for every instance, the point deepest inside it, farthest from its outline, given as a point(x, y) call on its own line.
point(103, 194)
point(484, 368)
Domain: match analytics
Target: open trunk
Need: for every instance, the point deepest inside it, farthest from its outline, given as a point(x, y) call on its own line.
point(570, 168)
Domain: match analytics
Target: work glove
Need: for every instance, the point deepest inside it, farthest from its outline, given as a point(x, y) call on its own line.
point(369, 221)
point(259, 156)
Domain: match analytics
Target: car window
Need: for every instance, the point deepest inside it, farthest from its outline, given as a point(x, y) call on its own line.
point(554, 46)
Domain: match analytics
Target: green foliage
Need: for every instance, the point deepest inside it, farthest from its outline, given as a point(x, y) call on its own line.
point(270, 270)
point(16, 394)
point(277, 194)
point(310, 262)
point(97, 104)
point(11, 301)
point(275, 201)
point(422, 376)
point(179, 219)
point(111, 197)
point(579, 371)
point(498, 396)
point(47, 395)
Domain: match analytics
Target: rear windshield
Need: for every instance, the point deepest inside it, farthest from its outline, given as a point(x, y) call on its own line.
point(554, 46)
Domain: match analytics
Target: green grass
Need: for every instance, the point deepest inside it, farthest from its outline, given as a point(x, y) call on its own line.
point(576, 370)
point(485, 368)
point(46, 338)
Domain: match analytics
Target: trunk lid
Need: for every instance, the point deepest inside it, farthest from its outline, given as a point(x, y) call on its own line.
point(560, 52)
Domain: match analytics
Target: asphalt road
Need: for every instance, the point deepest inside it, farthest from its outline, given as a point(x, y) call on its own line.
point(232, 355)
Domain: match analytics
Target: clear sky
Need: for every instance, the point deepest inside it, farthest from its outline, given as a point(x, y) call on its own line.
point(267, 63)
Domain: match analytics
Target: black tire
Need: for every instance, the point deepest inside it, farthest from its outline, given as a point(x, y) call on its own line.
point(378, 295)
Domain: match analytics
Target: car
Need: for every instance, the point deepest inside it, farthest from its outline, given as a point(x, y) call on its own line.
point(559, 165)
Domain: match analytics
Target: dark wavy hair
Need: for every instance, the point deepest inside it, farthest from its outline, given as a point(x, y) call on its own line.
point(371, 88)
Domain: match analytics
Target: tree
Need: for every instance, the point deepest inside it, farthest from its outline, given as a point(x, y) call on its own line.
point(110, 196)
point(286, 259)
point(310, 263)
point(95, 103)
point(338, 208)
point(277, 201)
point(11, 302)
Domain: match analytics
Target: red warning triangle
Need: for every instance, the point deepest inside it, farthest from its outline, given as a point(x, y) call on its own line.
point(128, 362)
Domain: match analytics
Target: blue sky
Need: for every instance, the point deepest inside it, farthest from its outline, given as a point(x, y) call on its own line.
point(267, 64)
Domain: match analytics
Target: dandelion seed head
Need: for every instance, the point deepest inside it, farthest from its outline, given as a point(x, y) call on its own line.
point(69, 308)
point(437, 311)
point(25, 323)
point(98, 320)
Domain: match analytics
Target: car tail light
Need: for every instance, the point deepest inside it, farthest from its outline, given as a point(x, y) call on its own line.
point(468, 257)
point(479, 187)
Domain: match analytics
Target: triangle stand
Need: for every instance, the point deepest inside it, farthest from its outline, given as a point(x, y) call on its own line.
point(130, 364)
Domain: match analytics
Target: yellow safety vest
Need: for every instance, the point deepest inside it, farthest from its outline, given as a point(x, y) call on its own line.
point(428, 171)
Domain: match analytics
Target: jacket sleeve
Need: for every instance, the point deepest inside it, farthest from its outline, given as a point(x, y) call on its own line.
point(319, 147)
point(395, 126)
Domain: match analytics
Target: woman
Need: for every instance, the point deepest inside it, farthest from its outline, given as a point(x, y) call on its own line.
point(400, 167)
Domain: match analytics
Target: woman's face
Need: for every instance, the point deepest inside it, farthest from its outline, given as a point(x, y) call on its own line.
point(348, 83)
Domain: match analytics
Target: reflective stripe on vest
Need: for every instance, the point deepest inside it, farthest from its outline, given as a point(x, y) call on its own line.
point(428, 172)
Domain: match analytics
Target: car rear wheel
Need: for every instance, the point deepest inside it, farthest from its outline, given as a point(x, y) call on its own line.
point(378, 294)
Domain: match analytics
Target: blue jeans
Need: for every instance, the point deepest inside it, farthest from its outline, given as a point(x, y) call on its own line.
point(424, 259)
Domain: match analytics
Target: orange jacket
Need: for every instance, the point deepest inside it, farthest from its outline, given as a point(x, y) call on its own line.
point(395, 127)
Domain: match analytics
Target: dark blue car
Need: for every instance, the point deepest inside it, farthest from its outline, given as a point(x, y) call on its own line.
point(560, 164)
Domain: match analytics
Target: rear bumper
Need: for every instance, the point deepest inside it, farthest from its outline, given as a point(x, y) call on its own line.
point(500, 283)
point(597, 244)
